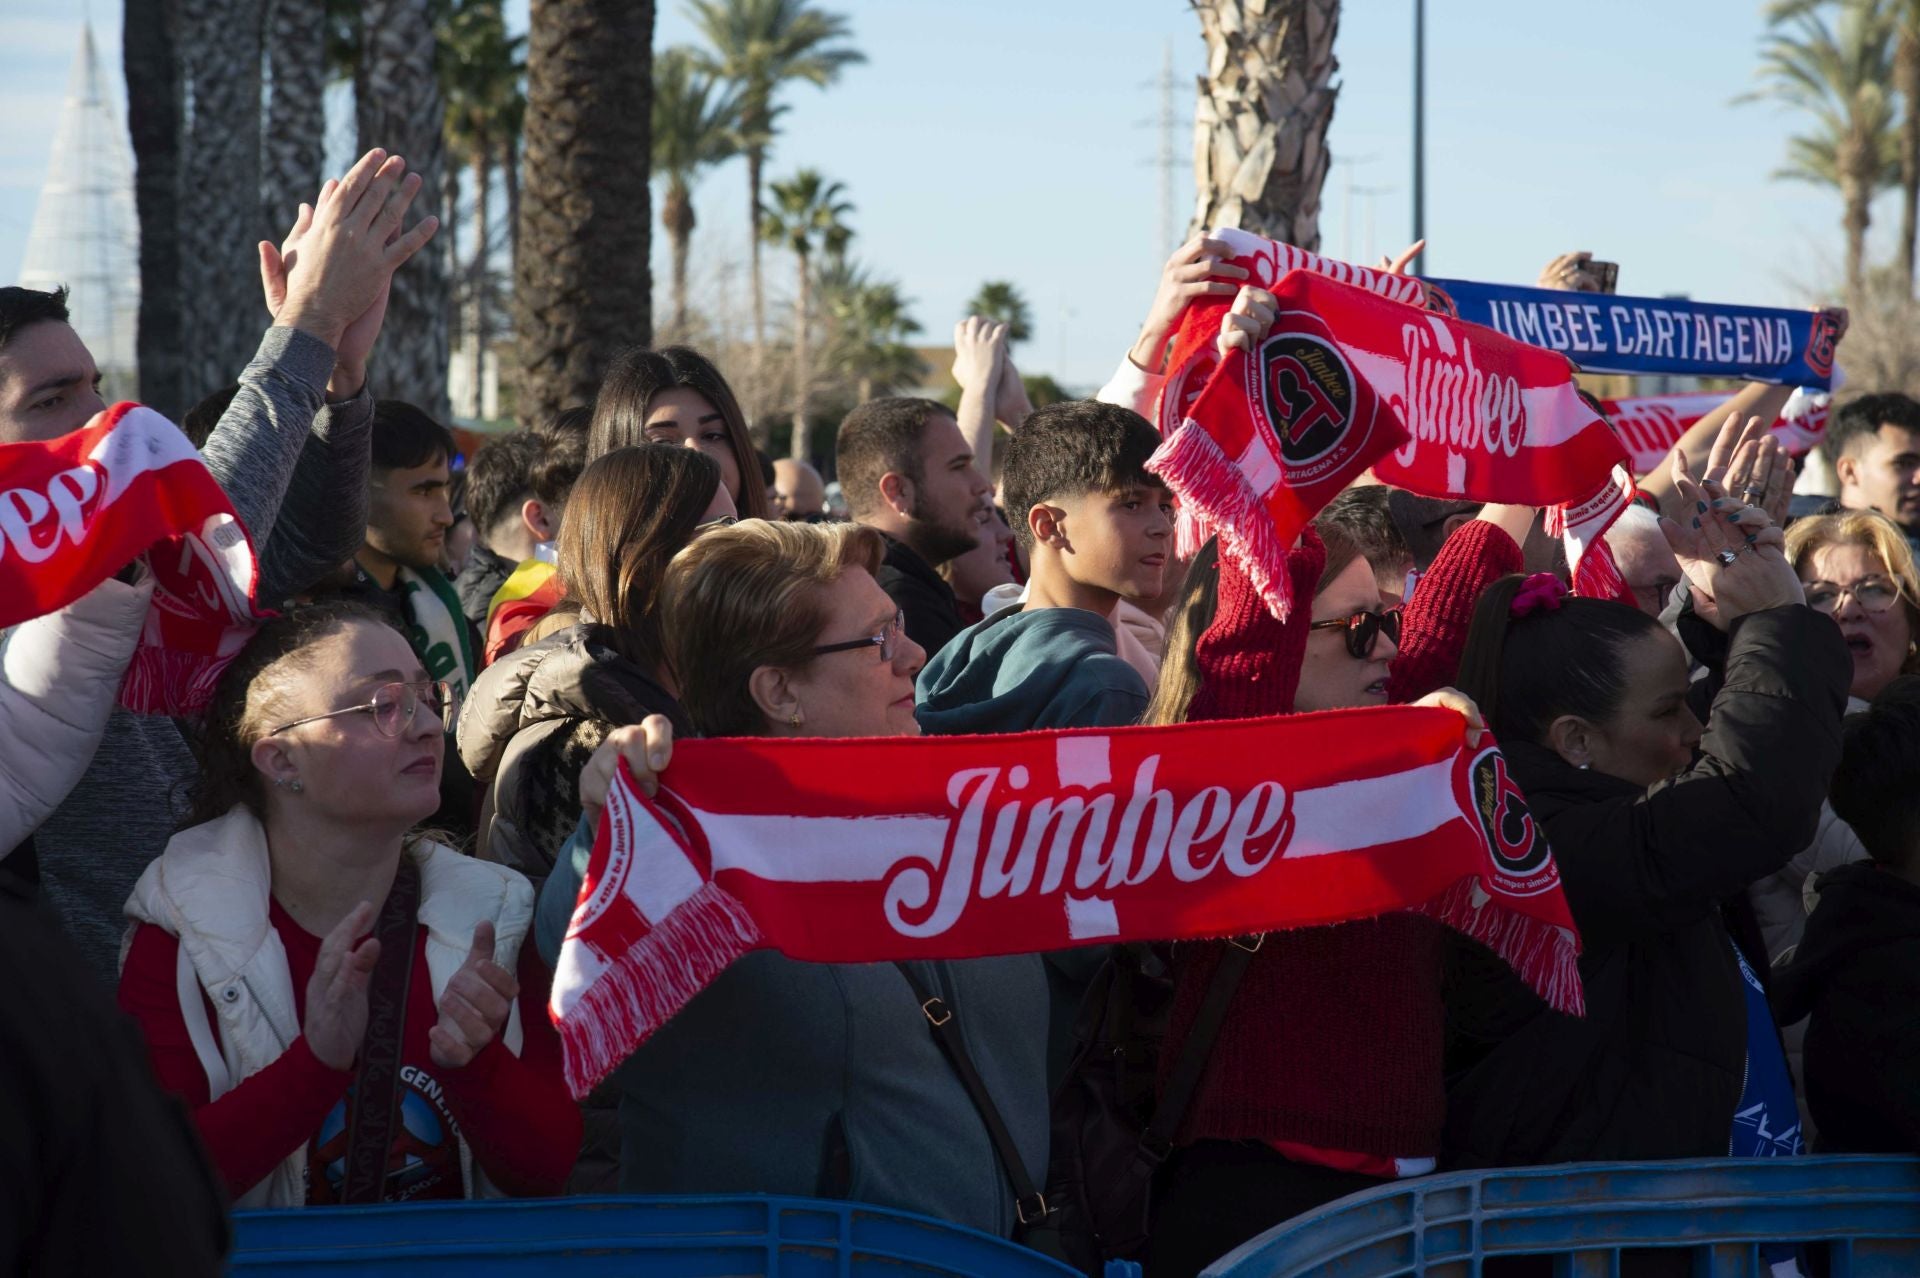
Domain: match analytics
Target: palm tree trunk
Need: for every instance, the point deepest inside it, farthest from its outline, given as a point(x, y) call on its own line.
point(479, 281)
point(756, 159)
point(401, 110)
point(220, 219)
point(154, 118)
point(295, 147)
point(1906, 80)
point(581, 287)
point(1260, 125)
point(447, 243)
point(510, 171)
point(802, 375)
point(1856, 195)
point(676, 215)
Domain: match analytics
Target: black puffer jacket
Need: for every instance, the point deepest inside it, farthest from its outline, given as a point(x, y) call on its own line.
point(533, 720)
point(1655, 1068)
point(1857, 973)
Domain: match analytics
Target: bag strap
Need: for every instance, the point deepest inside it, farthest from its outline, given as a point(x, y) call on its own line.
point(376, 1086)
point(1156, 1142)
point(1030, 1205)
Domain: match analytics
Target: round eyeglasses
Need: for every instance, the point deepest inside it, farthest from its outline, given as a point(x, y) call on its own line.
point(393, 707)
point(1874, 594)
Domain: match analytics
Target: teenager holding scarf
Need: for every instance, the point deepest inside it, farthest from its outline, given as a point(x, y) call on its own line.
point(253, 974)
point(807, 1078)
point(1653, 822)
point(676, 396)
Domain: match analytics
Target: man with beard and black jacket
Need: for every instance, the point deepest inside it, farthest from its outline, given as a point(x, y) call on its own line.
point(908, 471)
point(1857, 970)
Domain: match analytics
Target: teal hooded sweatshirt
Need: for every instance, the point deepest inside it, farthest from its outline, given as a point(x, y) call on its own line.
point(1021, 670)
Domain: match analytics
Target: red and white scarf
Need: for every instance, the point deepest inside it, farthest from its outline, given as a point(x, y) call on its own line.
point(1347, 379)
point(877, 849)
point(1650, 425)
point(129, 485)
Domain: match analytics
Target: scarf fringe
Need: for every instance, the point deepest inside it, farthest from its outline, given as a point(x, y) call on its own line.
point(1547, 958)
point(658, 975)
point(1205, 478)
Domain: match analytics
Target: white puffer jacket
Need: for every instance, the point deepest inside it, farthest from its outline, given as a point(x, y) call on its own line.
point(210, 889)
point(59, 679)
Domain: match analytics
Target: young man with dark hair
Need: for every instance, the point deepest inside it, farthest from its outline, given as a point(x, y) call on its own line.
point(291, 452)
point(532, 588)
point(397, 567)
point(1857, 969)
point(907, 471)
point(1362, 513)
point(1098, 529)
point(509, 522)
point(1873, 444)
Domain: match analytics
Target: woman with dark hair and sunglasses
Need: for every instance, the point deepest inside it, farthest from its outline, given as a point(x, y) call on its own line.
point(302, 897)
point(676, 396)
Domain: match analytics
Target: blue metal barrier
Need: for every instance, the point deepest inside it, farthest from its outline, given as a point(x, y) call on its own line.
point(657, 1237)
point(1864, 1212)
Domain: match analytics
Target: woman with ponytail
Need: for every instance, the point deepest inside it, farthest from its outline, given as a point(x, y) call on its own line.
point(1653, 820)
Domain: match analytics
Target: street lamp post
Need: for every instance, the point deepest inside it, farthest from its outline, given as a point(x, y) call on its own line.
point(1420, 131)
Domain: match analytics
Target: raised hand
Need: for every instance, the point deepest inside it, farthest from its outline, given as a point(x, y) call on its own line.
point(1761, 474)
point(332, 275)
point(474, 1006)
point(647, 746)
point(1398, 265)
point(1569, 272)
point(1249, 322)
point(1010, 402)
point(1198, 268)
point(1731, 552)
point(979, 345)
point(336, 1017)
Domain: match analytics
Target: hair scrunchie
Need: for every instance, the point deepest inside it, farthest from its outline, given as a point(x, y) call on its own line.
point(1541, 592)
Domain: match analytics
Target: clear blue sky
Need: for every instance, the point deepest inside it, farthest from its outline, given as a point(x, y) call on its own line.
point(1015, 139)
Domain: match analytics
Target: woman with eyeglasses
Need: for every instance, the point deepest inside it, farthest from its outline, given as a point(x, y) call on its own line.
point(803, 1078)
point(1656, 823)
point(1857, 568)
point(537, 715)
point(300, 947)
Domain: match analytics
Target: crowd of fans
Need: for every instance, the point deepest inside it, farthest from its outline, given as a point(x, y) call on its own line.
point(413, 756)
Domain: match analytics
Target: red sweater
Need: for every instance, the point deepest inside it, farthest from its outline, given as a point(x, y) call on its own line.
point(1335, 1035)
point(514, 1111)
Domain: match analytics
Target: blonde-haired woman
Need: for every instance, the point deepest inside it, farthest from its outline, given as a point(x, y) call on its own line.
point(1858, 568)
point(300, 950)
point(807, 1078)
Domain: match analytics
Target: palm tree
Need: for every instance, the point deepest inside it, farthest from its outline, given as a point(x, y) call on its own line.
point(1838, 75)
point(155, 120)
point(218, 44)
point(581, 286)
point(869, 325)
point(761, 45)
point(294, 148)
point(806, 214)
point(1001, 302)
point(694, 123)
point(480, 70)
point(1260, 124)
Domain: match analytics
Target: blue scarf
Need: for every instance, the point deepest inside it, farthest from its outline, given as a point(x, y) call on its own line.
point(1606, 334)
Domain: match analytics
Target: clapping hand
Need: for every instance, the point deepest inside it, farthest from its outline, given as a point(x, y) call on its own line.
point(1198, 268)
point(336, 1010)
point(474, 1006)
point(1731, 552)
point(979, 347)
point(1752, 466)
point(1010, 403)
point(331, 276)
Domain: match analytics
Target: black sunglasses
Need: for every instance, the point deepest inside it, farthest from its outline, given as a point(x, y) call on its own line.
point(1363, 629)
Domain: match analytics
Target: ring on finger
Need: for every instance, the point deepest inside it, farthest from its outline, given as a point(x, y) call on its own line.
point(1750, 495)
point(1726, 557)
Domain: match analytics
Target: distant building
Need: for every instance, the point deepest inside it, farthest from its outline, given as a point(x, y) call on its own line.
point(84, 232)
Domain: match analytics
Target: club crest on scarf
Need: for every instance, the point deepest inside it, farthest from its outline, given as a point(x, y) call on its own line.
point(1822, 337)
point(1520, 853)
point(1309, 394)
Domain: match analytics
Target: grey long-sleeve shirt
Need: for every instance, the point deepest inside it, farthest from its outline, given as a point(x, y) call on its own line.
point(295, 468)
